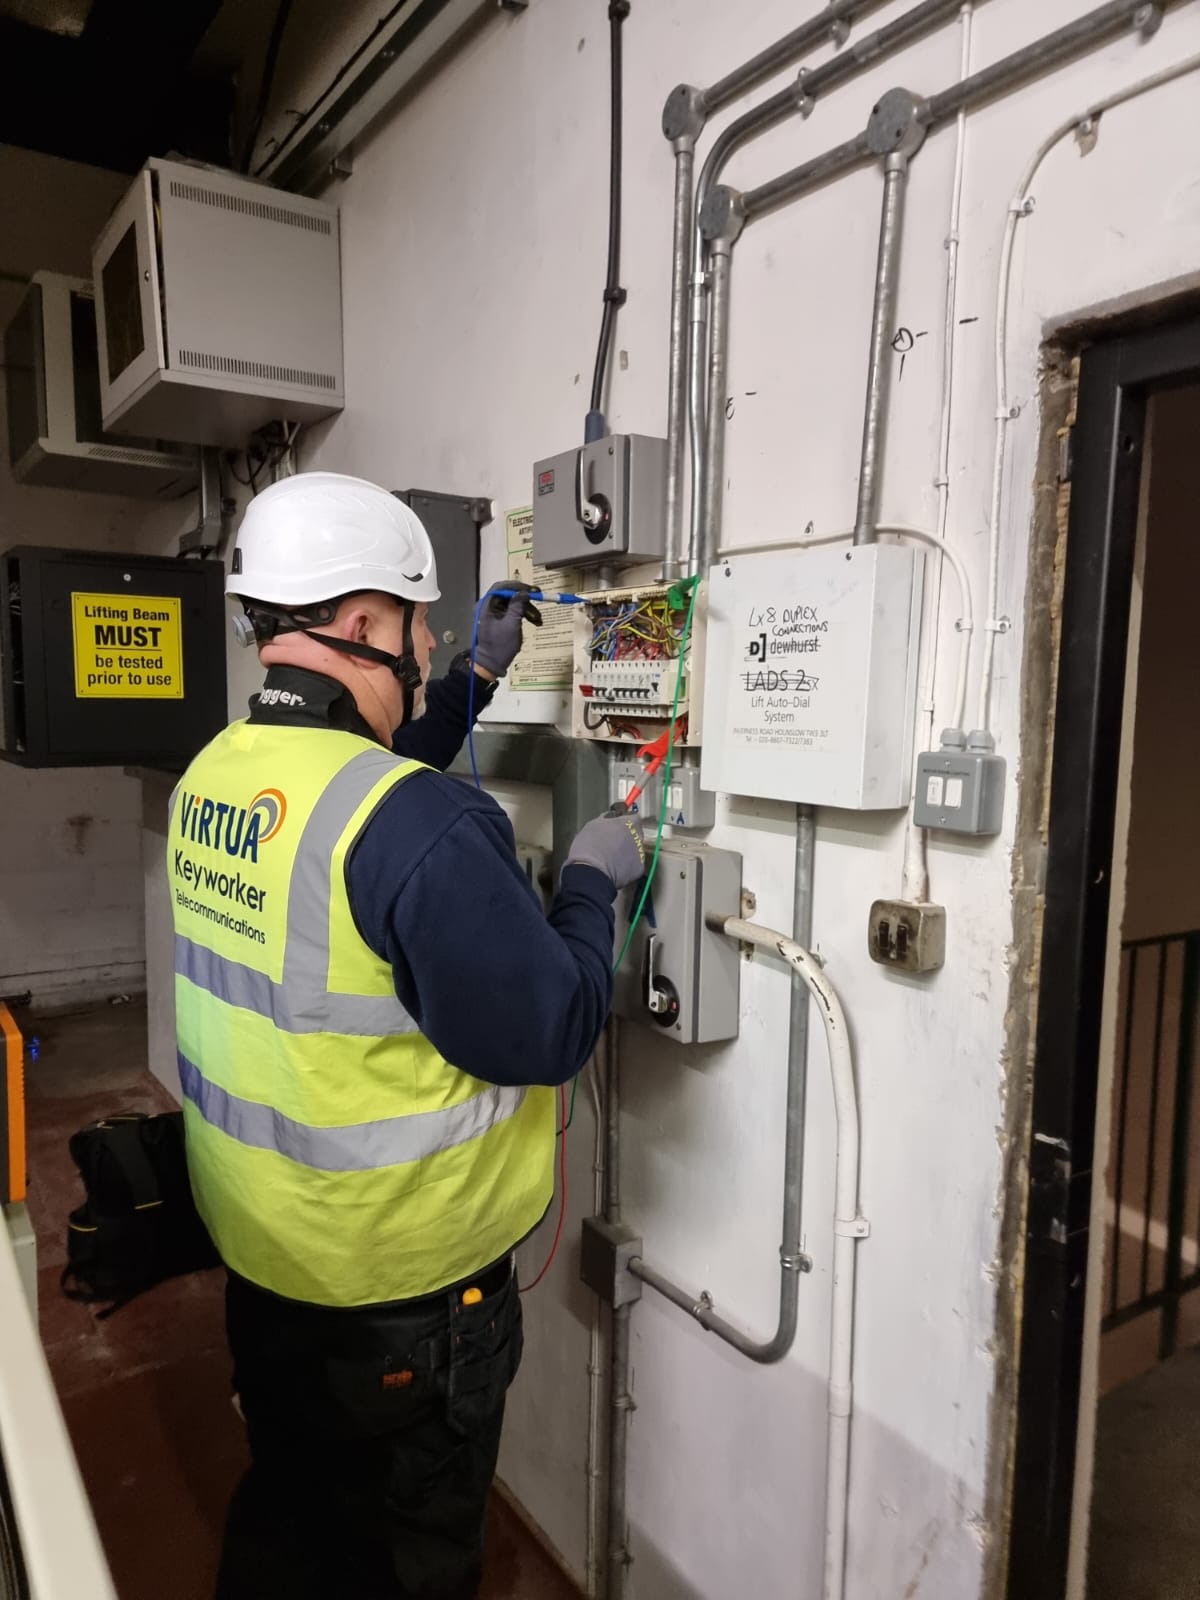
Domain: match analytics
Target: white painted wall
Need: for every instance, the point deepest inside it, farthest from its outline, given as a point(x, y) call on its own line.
point(71, 924)
point(473, 250)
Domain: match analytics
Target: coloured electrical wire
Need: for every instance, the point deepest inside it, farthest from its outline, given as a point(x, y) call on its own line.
point(666, 786)
point(568, 1116)
point(562, 1181)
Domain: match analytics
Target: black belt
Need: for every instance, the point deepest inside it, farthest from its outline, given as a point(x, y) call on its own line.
point(492, 1280)
point(489, 1282)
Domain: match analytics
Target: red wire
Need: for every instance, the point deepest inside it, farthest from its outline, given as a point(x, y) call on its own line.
point(562, 1206)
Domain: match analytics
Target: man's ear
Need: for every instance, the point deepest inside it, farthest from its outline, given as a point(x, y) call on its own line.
point(354, 624)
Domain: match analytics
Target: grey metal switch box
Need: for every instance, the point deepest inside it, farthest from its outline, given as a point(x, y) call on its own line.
point(961, 786)
point(680, 975)
point(606, 1249)
point(622, 478)
point(452, 522)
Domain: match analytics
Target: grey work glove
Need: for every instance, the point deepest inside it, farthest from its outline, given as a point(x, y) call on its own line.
point(614, 846)
point(500, 619)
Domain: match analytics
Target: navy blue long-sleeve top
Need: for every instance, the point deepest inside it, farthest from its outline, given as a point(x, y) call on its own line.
point(502, 991)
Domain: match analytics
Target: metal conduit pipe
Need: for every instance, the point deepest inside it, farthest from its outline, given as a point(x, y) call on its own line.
point(895, 132)
point(713, 483)
point(1045, 54)
point(682, 122)
point(677, 361)
point(798, 97)
point(1053, 50)
point(792, 1260)
point(832, 23)
point(1031, 61)
point(756, 121)
point(849, 1228)
point(593, 1561)
point(620, 1402)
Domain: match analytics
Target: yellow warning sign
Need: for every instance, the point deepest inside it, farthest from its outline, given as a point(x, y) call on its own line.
point(127, 646)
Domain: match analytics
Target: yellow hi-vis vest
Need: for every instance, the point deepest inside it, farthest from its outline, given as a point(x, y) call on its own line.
point(336, 1157)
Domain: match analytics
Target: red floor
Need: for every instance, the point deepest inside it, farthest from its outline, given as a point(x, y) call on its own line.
point(146, 1394)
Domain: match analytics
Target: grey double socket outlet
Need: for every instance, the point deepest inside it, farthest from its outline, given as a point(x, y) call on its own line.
point(907, 935)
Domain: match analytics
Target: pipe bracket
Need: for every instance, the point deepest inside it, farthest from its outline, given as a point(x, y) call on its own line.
point(800, 1262)
point(857, 1228)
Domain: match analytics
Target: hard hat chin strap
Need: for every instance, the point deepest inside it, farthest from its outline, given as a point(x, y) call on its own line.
point(271, 621)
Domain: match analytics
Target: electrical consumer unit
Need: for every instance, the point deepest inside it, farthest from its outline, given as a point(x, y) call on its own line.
point(628, 644)
point(680, 974)
point(52, 384)
point(810, 692)
point(218, 306)
point(604, 502)
point(109, 660)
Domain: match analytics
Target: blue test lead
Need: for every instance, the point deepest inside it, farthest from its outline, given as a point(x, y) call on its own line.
point(563, 598)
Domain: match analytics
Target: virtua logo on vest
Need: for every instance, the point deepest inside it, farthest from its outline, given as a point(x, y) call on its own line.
point(238, 830)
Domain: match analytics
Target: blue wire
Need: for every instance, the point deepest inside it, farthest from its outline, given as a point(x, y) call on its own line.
point(563, 599)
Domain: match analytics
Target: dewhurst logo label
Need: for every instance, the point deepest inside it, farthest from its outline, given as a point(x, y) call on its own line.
point(237, 830)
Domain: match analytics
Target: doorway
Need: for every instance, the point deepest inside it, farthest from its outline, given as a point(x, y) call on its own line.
point(1108, 1379)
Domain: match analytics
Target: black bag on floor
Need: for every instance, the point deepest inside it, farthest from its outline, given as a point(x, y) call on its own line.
point(139, 1223)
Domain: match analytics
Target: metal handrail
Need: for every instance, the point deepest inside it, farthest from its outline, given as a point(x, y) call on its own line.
point(1165, 967)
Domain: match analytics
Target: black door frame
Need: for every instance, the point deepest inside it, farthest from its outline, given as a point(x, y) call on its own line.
point(1117, 376)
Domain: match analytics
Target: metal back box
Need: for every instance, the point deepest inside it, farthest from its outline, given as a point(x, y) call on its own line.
point(628, 471)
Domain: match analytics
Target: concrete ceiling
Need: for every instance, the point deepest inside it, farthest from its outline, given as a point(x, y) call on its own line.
point(111, 82)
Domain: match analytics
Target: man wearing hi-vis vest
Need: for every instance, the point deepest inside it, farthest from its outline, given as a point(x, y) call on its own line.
point(373, 1015)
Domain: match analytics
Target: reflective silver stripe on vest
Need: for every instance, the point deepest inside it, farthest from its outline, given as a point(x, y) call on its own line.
point(242, 986)
point(359, 1147)
point(301, 1003)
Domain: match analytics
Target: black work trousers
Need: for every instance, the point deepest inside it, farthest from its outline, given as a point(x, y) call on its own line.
point(373, 1438)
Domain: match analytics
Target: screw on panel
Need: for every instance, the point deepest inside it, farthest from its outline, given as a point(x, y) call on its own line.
point(1148, 20)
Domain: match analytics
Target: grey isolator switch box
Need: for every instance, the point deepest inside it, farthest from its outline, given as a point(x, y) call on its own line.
point(624, 475)
point(679, 975)
point(961, 786)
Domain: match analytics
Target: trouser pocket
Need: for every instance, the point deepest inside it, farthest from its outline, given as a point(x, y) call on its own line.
point(486, 1341)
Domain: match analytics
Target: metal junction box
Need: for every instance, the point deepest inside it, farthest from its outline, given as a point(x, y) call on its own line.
point(109, 660)
point(679, 974)
point(218, 307)
point(624, 476)
point(811, 682)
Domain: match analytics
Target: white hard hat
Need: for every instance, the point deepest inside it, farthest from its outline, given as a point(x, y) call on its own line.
point(318, 535)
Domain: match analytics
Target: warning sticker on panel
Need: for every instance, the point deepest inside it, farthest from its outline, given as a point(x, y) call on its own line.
point(127, 646)
point(547, 653)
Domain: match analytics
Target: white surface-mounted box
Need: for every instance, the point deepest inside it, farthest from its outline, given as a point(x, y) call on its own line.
point(810, 687)
point(218, 307)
